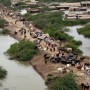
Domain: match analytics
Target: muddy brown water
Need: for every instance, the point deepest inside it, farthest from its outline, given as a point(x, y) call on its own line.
point(21, 76)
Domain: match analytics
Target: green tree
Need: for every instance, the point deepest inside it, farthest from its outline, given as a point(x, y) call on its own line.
point(67, 82)
point(2, 23)
point(24, 50)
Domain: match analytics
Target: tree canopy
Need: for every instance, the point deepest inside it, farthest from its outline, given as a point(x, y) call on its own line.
point(23, 50)
point(67, 82)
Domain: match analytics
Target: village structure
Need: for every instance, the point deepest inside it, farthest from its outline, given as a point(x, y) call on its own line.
point(77, 10)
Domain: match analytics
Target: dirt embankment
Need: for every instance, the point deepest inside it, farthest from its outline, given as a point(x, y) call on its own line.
point(43, 69)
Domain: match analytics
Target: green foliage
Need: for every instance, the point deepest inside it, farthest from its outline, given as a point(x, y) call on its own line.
point(74, 22)
point(85, 31)
point(3, 73)
point(2, 23)
point(24, 50)
point(74, 47)
point(67, 82)
point(4, 31)
point(45, 8)
point(53, 24)
point(50, 77)
point(20, 5)
point(6, 2)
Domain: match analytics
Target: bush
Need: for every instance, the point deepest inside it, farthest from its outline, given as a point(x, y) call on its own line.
point(2, 23)
point(4, 31)
point(6, 2)
point(85, 31)
point(67, 82)
point(3, 73)
point(20, 5)
point(74, 47)
point(24, 50)
point(74, 22)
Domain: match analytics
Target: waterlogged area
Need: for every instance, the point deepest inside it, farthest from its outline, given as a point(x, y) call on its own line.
point(85, 47)
point(21, 76)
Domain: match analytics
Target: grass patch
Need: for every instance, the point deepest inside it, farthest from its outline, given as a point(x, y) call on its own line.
point(3, 22)
point(6, 2)
point(23, 51)
point(85, 31)
point(4, 31)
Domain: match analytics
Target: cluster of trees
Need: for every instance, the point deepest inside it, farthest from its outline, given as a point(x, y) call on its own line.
point(23, 50)
point(53, 23)
point(3, 73)
point(66, 82)
point(85, 31)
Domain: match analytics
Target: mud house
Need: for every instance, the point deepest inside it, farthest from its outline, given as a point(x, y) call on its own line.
point(78, 8)
point(85, 3)
point(76, 4)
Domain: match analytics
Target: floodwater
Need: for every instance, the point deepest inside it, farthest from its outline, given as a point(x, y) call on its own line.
point(85, 47)
point(21, 76)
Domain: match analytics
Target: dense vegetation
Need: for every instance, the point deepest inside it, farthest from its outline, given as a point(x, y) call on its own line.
point(4, 31)
point(85, 31)
point(24, 50)
point(2, 23)
point(60, 0)
point(20, 5)
point(66, 82)
point(53, 23)
point(6, 2)
point(3, 73)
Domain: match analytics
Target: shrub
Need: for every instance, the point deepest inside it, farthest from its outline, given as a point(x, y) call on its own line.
point(85, 31)
point(2, 23)
point(6, 2)
point(3, 73)
point(24, 50)
point(67, 82)
point(74, 47)
point(4, 31)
